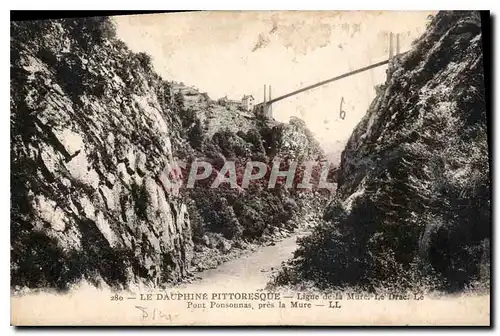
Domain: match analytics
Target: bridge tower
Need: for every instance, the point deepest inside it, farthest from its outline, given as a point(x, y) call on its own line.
point(265, 108)
point(397, 44)
point(391, 45)
point(269, 107)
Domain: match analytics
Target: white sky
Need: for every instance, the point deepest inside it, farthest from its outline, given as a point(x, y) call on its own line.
point(219, 53)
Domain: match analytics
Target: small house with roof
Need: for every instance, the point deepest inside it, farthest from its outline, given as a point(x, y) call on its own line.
point(248, 102)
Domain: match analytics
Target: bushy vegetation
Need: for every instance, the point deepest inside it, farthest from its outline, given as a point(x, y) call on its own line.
point(235, 213)
point(413, 203)
point(242, 214)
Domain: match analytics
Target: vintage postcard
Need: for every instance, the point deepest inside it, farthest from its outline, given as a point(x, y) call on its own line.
point(277, 168)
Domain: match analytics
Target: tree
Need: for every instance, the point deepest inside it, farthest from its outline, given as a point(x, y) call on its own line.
point(196, 135)
point(179, 100)
point(145, 61)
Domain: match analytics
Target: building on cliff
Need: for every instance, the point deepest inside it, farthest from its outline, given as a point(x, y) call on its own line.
point(248, 102)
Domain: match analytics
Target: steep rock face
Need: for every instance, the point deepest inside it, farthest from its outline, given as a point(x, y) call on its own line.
point(296, 141)
point(91, 131)
point(93, 128)
point(413, 193)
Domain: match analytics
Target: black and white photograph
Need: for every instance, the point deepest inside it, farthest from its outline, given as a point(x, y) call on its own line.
point(250, 168)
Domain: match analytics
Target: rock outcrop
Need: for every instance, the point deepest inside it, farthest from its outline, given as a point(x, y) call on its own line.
point(92, 129)
point(413, 198)
point(91, 132)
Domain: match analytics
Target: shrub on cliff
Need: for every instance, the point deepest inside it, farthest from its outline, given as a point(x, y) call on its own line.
point(413, 201)
point(145, 61)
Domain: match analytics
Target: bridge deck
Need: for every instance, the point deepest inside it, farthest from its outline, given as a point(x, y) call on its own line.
point(347, 74)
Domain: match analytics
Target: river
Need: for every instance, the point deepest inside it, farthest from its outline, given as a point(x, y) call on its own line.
point(252, 270)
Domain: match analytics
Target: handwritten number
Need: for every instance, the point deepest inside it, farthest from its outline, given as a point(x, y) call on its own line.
point(157, 314)
point(342, 112)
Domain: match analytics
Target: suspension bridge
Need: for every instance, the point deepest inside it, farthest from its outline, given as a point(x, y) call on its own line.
point(265, 108)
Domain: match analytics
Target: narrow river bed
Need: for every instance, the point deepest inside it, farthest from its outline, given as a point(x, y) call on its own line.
point(251, 271)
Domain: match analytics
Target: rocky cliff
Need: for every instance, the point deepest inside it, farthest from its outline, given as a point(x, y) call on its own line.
point(413, 199)
point(224, 219)
point(92, 129)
